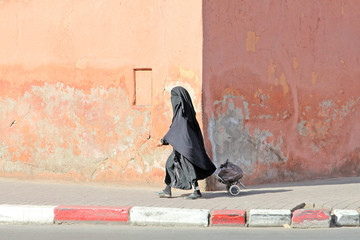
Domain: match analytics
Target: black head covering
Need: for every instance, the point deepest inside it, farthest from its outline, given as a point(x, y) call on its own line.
point(184, 134)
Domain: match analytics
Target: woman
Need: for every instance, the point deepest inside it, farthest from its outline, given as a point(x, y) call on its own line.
point(188, 162)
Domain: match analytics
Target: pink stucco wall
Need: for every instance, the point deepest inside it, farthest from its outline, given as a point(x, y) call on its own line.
point(281, 84)
point(85, 86)
point(68, 107)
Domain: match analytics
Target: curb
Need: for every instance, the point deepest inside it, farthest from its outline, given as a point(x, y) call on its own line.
point(311, 218)
point(169, 216)
point(346, 218)
point(26, 214)
point(236, 218)
point(91, 213)
point(269, 218)
point(301, 218)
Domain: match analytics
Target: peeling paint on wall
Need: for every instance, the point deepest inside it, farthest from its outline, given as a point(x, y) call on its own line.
point(232, 140)
point(251, 41)
point(274, 88)
point(329, 122)
point(68, 93)
point(299, 76)
point(61, 130)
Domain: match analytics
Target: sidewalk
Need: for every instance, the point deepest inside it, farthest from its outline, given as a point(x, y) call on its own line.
point(340, 193)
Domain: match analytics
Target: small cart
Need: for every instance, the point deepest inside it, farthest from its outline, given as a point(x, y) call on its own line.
point(230, 175)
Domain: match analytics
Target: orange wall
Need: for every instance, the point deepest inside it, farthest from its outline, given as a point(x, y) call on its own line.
point(275, 83)
point(281, 87)
point(67, 88)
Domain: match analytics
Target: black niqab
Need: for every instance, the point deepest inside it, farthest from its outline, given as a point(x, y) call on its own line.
point(185, 135)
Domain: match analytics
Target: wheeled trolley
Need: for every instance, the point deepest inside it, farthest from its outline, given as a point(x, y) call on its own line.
point(230, 175)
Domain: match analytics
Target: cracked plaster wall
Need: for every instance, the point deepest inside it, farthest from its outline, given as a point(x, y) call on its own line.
point(275, 84)
point(67, 88)
point(281, 87)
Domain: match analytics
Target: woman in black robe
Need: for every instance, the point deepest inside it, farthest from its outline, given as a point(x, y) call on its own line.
point(188, 162)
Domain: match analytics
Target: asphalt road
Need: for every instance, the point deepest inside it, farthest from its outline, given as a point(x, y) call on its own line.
point(124, 232)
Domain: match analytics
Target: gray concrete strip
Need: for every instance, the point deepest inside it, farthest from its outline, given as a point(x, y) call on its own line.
point(346, 218)
point(14, 214)
point(169, 216)
point(269, 217)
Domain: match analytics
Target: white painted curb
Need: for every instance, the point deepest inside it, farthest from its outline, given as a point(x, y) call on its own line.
point(348, 218)
point(26, 214)
point(269, 218)
point(169, 216)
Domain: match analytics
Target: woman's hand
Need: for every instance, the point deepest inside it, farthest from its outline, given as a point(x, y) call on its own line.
point(162, 143)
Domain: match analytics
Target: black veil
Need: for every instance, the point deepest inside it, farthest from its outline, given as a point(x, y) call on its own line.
point(185, 135)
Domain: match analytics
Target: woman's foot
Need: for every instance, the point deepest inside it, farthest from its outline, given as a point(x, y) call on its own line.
point(166, 193)
point(194, 195)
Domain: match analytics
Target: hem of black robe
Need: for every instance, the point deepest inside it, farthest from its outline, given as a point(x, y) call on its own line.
point(182, 173)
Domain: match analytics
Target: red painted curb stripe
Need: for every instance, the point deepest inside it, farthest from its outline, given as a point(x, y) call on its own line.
point(91, 213)
point(228, 217)
point(302, 215)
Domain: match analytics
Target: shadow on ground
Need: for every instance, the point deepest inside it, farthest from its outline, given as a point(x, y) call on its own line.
point(316, 182)
point(210, 195)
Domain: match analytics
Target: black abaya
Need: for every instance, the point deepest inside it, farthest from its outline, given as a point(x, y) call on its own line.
point(189, 161)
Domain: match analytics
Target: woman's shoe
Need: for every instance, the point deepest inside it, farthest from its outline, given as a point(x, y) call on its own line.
point(194, 195)
point(164, 194)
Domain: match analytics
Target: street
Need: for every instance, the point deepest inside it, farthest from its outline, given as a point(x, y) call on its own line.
point(100, 231)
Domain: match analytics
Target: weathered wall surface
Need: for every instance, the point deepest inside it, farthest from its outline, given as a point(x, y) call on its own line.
point(67, 90)
point(281, 84)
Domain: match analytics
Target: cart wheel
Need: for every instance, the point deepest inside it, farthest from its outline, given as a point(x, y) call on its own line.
point(234, 190)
